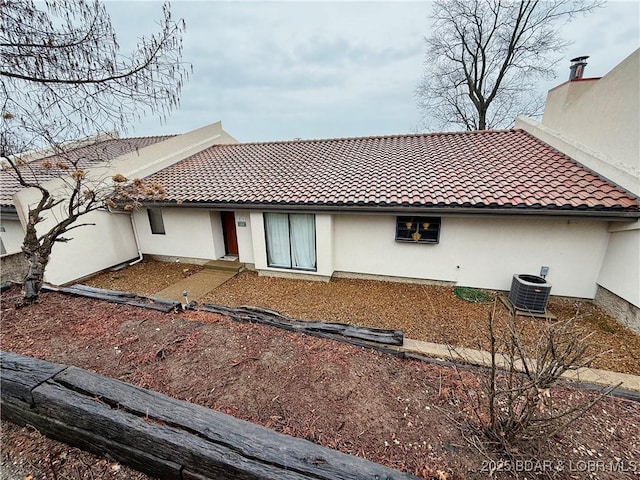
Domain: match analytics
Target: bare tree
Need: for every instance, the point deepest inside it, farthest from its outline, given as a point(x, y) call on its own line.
point(485, 57)
point(63, 77)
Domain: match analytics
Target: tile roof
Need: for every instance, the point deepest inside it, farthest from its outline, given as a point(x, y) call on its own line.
point(485, 169)
point(89, 155)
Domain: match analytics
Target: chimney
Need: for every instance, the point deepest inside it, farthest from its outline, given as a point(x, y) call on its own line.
point(576, 69)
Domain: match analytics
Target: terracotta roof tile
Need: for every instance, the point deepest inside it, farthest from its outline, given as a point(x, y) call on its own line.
point(489, 169)
point(89, 156)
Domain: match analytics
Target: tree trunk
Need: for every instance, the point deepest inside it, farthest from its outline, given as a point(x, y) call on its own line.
point(482, 117)
point(34, 279)
point(37, 254)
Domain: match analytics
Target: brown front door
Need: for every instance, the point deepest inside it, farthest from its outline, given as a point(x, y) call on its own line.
point(229, 232)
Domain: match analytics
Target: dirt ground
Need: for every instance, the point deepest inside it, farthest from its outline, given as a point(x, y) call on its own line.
point(27, 455)
point(429, 313)
point(409, 415)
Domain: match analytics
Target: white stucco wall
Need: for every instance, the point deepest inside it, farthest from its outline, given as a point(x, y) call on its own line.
point(596, 123)
point(104, 240)
point(193, 233)
point(245, 238)
point(12, 235)
point(92, 248)
point(477, 252)
point(189, 232)
point(620, 272)
point(258, 240)
point(217, 235)
point(473, 251)
point(325, 244)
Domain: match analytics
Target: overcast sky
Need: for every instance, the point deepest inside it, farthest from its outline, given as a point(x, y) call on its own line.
point(278, 71)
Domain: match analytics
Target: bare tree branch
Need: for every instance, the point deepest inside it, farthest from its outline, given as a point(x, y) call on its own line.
point(63, 78)
point(484, 58)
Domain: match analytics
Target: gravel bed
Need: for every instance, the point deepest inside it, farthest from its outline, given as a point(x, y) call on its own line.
point(429, 313)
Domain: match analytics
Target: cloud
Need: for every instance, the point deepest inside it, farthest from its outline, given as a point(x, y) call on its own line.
point(274, 71)
point(301, 64)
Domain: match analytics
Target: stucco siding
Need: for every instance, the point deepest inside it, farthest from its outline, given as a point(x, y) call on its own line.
point(217, 234)
point(188, 233)
point(245, 239)
point(259, 240)
point(325, 245)
point(92, 248)
point(12, 235)
point(620, 271)
point(102, 241)
point(477, 252)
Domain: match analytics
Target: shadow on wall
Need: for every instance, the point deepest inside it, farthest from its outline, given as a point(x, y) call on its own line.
point(13, 267)
point(623, 311)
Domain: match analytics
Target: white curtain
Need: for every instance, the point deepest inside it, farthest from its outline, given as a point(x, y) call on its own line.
point(291, 240)
point(303, 241)
point(278, 252)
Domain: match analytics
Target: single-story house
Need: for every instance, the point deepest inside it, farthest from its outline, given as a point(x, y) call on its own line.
point(471, 208)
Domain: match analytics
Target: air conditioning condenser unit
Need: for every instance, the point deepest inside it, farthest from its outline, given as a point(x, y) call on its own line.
point(529, 293)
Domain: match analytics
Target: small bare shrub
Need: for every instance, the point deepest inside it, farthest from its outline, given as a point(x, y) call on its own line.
point(515, 404)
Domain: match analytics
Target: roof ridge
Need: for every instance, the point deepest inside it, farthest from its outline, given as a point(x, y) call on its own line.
point(142, 137)
point(374, 137)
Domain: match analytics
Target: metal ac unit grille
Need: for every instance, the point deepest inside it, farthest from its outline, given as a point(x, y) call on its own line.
point(529, 293)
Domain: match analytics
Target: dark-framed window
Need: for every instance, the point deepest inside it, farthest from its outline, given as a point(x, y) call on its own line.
point(418, 229)
point(155, 221)
point(291, 240)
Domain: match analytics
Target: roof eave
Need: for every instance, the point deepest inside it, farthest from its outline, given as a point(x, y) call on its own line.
point(610, 214)
point(8, 211)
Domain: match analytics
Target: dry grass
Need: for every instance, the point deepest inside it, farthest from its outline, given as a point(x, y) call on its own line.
point(424, 312)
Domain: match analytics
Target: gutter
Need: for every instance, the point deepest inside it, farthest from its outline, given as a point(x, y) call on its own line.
point(400, 209)
point(135, 236)
point(135, 233)
point(9, 213)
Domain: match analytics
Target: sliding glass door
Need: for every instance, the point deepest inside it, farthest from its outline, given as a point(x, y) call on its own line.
point(291, 240)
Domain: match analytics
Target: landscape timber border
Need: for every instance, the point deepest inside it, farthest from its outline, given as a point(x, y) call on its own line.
point(387, 341)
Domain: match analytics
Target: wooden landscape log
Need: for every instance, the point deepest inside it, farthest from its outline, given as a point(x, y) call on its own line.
point(20, 375)
point(162, 436)
point(143, 461)
point(102, 291)
point(245, 314)
point(275, 319)
point(115, 296)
